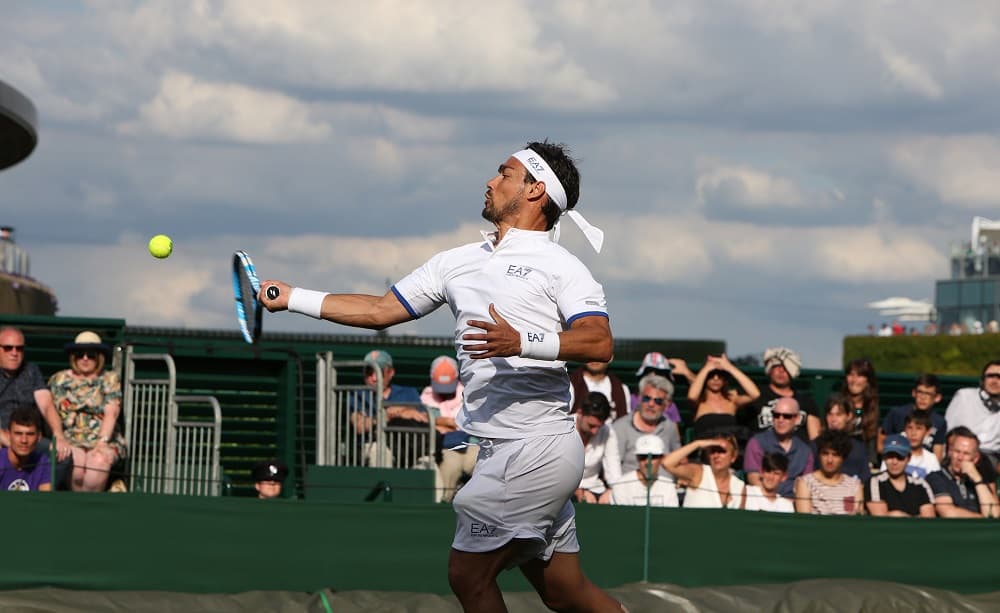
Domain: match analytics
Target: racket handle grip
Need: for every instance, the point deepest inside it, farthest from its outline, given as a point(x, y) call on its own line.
point(272, 292)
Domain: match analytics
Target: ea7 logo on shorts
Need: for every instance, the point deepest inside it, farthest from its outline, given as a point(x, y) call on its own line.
point(518, 271)
point(484, 530)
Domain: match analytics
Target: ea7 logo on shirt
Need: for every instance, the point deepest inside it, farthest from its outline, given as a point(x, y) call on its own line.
point(484, 530)
point(519, 272)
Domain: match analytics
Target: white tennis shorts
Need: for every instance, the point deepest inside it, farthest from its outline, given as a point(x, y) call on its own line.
point(521, 489)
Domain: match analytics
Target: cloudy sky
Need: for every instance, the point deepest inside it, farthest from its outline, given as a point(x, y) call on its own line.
point(762, 168)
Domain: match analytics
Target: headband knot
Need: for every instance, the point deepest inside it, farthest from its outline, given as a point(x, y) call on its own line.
point(539, 169)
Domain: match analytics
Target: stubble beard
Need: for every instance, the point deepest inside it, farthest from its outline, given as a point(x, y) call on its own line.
point(495, 215)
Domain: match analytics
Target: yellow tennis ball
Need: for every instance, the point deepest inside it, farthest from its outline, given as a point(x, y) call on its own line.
point(160, 246)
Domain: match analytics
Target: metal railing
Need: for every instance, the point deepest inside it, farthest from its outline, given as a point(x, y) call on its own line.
point(351, 428)
point(168, 454)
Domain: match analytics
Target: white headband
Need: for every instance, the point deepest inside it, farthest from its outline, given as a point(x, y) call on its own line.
point(538, 169)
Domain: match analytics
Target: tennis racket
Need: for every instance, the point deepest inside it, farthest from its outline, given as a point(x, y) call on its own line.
point(246, 287)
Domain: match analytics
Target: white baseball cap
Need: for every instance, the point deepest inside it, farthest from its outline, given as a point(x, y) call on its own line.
point(649, 444)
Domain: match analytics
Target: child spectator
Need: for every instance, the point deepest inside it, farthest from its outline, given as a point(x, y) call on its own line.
point(895, 492)
point(828, 491)
point(926, 393)
point(765, 497)
point(921, 462)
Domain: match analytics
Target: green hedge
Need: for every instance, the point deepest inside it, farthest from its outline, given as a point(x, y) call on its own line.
point(940, 354)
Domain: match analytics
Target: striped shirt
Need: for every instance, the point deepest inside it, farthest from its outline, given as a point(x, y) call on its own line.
point(838, 499)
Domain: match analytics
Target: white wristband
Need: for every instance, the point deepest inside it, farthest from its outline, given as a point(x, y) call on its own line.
point(540, 345)
point(307, 302)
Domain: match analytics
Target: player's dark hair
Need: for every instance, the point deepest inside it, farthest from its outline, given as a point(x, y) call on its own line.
point(596, 405)
point(837, 441)
point(26, 416)
point(920, 418)
point(558, 158)
point(774, 461)
point(928, 380)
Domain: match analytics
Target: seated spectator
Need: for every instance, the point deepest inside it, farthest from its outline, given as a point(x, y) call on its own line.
point(655, 363)
point(828, 491)
point(361, 408)
point(838, 417)
point(780, 439)
point(765, 497)
point(23, 467)
point(926, 393)
point(782, 366)
point(959, 488)
point(648, 418)
point(712, 482)
point(88, 401)
point(861, 389)
point(443, 399)
point(594, 377)
point(921, 461)
point(895, 492)
point(23, 386)
point(269, 479)
point(716, 398)
point(978, 409)
point(645, 484)
point(600, 450)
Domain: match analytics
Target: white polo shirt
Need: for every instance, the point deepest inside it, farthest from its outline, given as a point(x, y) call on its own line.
point(536, 285)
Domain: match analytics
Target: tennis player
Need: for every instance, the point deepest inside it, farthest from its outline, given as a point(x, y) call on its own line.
point(523, 307)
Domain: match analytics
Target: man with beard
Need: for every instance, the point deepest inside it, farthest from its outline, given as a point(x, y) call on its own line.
point(594, 377)
point(782, 366)
point(524, 306)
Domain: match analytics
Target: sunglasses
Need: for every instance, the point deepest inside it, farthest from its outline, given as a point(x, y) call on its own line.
point(10, 348)
point(716, 449)
point(90, 355)
point(989, 375)
point(776, 415)
point(657, 401)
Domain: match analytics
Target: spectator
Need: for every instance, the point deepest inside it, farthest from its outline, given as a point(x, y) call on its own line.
point(782, 366)
point(885, 330)
point(22, 385)
point(400, 403)
point(895, 492)
point(921, 462)
point(716, 400)
point(959, 488)
point(88, 400)
point(269, 478)
point(600, 450)
point(443, 399)
point(861, 388)
point(657, 364)
point(594, 377)
point(926, 393)
point(24, 467)
point(828, 491)
point(712, 482)
point(978, 409)
point(779, 439)
point(837, 417)
point(648, 418)
point(993, 326)
point(639, 486)
point(765, 497)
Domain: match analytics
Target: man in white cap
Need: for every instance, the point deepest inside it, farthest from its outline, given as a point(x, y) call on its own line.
point(782, 366)
point(524, 306)
point(646, 482)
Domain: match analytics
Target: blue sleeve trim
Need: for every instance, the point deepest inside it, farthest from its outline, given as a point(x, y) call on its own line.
point(569, 322)
point(406, 305)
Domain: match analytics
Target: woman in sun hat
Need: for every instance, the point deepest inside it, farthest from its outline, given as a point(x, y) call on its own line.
point(88, 400)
